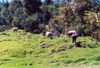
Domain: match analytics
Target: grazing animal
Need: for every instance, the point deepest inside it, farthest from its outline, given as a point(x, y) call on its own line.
point(15, 29)
point(51, 34)
point(74, 37)
point(48, 34)
point(69, 33)
point(73, 34)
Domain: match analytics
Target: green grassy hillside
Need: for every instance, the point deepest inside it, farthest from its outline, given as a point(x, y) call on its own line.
point(26, 50)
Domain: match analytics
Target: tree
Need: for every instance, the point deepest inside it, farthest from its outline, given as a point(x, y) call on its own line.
point(14, 5)
point(96, 2)
point(79, 1)
point(0, 6)
point(19, 16)
point(32, 5)
point(48, 2)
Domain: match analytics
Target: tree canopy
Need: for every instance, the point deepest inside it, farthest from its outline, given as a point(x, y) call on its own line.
point(52, 15)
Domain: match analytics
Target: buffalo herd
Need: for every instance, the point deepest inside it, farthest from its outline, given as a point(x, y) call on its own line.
point(72, 34)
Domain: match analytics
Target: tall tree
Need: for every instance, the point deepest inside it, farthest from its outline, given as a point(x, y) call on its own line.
point(96, 2)
point(32, 5)
point(14, 5)
point(79, 1)
point(0, 6)
point(48, 2)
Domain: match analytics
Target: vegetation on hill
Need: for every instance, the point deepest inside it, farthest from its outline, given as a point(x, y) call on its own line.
point(24, 49)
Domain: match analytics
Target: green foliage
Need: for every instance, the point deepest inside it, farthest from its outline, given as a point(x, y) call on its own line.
point(80, 29)
point(52, 9)
point(18, 17)
point(32, 5)
point(79, 1)
point(34, 15)
point(34, 23)
point(56, 26)
point(3, 28)
point(5, 17)
point(14, 5)
point(49, 11)
point(23, 49)
point(48, 2)
point(89, 43)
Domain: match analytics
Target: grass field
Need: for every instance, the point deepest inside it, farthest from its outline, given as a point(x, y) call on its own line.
point(26, 50)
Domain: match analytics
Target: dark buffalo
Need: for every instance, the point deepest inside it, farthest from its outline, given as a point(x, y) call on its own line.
point(73, 34)
point(15, 29)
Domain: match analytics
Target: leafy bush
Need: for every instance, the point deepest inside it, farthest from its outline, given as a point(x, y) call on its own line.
point(3, 28)
point(93, 45)
point(80, 29)
point(55, 26)
point(34, 23)
point(88, 42)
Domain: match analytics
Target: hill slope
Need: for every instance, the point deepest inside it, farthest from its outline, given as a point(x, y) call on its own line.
point(26, 50)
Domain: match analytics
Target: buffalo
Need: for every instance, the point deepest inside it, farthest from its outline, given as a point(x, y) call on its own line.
point(48, 34)
point(15, 29)
point(73, 34)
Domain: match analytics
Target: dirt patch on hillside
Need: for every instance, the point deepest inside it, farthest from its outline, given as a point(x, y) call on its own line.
point(46, 45)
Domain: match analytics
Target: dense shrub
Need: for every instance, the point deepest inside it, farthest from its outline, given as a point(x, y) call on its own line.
point(80, 29)
point(88, 42)
point(34, 23)
point(3, 28)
